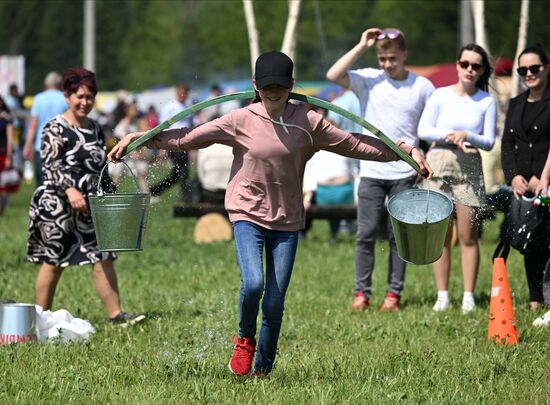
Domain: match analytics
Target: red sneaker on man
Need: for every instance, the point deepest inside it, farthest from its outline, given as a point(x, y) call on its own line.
point(360, 302)
point(391, 303)
point(243, 353)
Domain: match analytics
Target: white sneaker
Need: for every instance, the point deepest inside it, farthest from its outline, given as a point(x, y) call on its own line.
point(155, 199)
point(468, 306)
point(543, 320)
point(441, 305)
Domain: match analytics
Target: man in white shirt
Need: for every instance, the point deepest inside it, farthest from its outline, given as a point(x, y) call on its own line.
point(392, 99)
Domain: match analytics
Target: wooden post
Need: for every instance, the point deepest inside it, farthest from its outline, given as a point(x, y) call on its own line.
point(253, 36)
point(89, 35)
point(289, 40)
point(522, 43)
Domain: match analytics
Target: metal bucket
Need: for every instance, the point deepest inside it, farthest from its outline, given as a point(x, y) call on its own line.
point(119, 218)
point(420, 219)
point(17, 323)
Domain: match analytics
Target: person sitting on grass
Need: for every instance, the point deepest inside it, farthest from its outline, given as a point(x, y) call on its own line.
point(272, 141)
point(61, 231)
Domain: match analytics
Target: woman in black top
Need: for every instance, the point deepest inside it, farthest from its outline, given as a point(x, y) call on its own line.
point(525, 146)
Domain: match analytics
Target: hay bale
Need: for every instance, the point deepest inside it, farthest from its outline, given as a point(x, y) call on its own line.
point(213, 227)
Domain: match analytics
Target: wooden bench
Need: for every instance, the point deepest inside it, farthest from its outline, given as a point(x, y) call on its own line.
point(196, 210)
point(213, 225)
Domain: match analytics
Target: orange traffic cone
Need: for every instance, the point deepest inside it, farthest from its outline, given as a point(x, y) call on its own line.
point(502, 323)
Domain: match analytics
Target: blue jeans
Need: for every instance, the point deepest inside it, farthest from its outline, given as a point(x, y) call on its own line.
point(280, 252)
point(371, 207)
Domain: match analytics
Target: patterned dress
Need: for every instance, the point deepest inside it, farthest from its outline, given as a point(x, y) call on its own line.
point(71, 157)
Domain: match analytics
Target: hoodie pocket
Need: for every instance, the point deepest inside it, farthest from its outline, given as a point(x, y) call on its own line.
point(253, 197)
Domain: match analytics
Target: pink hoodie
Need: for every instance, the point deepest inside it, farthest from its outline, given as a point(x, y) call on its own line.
point(265, 185)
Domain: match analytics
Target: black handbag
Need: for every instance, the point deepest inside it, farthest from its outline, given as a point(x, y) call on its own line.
point(527, 225)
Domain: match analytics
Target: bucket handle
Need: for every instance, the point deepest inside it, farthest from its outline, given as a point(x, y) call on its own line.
point(100, 190)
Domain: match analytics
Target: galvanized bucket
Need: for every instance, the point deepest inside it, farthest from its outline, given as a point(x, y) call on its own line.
point(119, 218)
point(17, 323)
point(420, 218)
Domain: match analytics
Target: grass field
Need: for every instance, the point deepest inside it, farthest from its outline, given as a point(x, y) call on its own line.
point(326, 354)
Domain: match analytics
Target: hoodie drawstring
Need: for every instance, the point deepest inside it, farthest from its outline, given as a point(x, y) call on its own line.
point(285, 125)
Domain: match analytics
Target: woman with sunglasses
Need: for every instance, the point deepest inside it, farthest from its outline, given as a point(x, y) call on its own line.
point(525, 146)
point(61, 231)
point(458, 120)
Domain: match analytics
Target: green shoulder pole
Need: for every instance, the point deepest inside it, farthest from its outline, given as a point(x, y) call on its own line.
point(245, 95)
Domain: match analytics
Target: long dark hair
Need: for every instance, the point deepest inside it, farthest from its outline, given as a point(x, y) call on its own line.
point(483, 81)
point(537, 49)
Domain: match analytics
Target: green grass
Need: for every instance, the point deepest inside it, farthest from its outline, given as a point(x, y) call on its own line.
point(326, 355)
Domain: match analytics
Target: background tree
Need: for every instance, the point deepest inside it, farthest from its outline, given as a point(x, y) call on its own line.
point(145, 43)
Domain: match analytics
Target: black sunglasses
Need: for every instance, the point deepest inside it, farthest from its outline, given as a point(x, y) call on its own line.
point(77, 79)
point(522, 71)
point(465, 64)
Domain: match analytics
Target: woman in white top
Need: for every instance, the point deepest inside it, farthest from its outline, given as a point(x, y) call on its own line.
point(457, 120)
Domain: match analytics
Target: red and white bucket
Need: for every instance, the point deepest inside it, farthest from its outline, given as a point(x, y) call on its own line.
point(17, 323)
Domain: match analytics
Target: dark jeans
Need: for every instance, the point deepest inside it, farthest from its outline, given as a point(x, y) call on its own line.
point(535, 264)
point(179, 173)
point(370, 212)
point(280, 252)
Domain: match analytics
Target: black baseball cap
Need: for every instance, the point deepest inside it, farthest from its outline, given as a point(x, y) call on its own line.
point(274, 68)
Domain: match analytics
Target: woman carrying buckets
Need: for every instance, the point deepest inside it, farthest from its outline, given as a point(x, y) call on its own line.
point(272, 140)
point(61, 231)
point(458, 120)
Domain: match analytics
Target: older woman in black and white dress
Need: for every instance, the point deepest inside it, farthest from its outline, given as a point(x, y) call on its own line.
point(61, 231)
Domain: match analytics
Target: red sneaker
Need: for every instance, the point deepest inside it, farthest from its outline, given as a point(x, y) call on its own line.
point(360, 302)
point(391, 303)
point(243, 353)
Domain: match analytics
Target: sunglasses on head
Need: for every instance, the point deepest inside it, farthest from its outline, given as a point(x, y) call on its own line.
point(389, 34)
point(465, 65)
point(77, 79)
point(522, 71)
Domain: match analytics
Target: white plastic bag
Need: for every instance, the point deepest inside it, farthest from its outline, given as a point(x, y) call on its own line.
point(61, 325)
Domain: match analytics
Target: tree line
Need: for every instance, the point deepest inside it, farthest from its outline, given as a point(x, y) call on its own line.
point(142, 44)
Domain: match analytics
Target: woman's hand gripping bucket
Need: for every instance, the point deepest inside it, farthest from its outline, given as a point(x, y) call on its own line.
point(420, 219)
point(119, 218)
